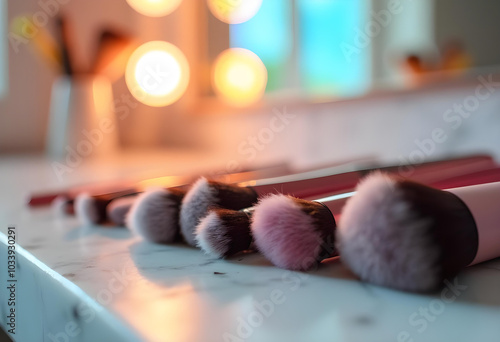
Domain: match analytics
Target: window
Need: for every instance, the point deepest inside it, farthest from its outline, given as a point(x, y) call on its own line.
point(303, 53)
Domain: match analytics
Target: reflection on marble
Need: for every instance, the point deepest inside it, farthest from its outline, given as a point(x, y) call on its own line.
point(142, 291)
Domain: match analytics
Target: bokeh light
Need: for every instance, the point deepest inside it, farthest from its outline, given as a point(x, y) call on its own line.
point(154, 8)
point(157, 73)
point(234, 11)
point(239, 77)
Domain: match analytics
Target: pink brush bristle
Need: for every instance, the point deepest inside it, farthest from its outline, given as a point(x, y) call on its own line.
point(292, 233)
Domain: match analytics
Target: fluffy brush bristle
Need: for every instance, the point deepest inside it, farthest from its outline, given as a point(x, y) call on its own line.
point(205, 195)
point(223, 233)
point(155, 215)
point(292, 233)
point(85, 209)
point(384, 240)
point(195, 205)
point(62, 206)
point(118, 209)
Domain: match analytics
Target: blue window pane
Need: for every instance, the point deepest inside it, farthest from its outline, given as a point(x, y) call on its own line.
point(329, 28)
point(269, 35)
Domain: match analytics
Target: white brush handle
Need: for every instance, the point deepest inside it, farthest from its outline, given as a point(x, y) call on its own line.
point(483, 201)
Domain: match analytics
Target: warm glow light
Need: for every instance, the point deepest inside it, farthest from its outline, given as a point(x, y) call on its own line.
point(239, 77)
point(157, 73)
point(102, 95)
point(234, 11)
point(165, 182)
point(154, 8)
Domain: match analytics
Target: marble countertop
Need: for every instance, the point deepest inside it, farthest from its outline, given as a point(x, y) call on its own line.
point(78, 283)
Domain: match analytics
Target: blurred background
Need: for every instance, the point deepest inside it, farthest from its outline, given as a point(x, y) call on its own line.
point(251, 81)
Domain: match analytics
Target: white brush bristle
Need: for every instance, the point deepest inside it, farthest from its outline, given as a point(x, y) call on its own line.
point(383, 241)
point(195, 205)
point(154, 216)
point(85, 209)
point(210, 236)
point(60, 206)
point(118, 209)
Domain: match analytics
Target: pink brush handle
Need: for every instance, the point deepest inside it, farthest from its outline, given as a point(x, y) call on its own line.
point(483, 201)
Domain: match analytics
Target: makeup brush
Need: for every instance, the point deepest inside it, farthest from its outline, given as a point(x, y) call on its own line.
point(93, 199)
point(92, 209)
point(139, 185)
point(62, 206)
point(223, 233)
point(98, 203)
point(411, 237)
point(118, 209)
point(231, 197)
point(109, 187)
point(155, 215)
point(113, 52)
point(205, 195)
point(43, 43)
point(480, 177)
point(64, 42)
point(292, 233)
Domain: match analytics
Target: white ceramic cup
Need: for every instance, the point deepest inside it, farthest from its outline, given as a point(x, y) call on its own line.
point(82, 121)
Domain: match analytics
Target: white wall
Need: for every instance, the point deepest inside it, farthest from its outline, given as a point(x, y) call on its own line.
point(476, 24)
point(385, 126)
point(409, 29)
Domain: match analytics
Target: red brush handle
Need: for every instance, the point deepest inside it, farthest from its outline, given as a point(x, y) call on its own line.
point(337, 201)
point(480, 177)
point(114, 189)
point(428, 173)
